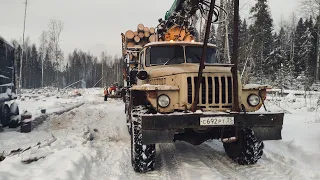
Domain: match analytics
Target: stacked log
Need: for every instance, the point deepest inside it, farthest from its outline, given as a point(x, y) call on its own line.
point(142, 36)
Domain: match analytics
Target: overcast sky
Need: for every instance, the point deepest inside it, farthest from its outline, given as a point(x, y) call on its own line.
point(96, 25)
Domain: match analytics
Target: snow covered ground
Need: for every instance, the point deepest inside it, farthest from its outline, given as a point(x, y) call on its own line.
point(92, 143)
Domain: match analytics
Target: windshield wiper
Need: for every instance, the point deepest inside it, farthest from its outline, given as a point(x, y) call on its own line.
point(169, 60)
point(196, 56)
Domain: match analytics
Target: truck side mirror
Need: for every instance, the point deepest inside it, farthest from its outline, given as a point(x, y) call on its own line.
point(133, 75)
point(142, 75)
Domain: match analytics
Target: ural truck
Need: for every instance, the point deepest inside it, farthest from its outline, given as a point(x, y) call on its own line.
point(171, 97)
point(8, 108)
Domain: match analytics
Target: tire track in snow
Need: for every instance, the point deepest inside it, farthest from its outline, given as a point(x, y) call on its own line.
point(264, 169)
point(290, 166)
point(113, 160)
point(170, 164)
point(209, 159)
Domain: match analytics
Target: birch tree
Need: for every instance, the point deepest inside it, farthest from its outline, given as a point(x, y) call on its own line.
point(54, 33)
point(43, 49)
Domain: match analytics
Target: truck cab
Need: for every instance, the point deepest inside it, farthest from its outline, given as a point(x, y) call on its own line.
point(172, 68)
point(159, 105)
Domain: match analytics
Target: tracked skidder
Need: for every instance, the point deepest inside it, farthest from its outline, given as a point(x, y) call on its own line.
point(177, 91)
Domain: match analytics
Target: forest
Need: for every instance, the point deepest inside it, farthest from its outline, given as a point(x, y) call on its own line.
point(285, 57)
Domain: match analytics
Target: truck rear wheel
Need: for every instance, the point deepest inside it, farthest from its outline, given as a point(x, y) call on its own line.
point(246, 150)
point(142, 156)
point(5, 115)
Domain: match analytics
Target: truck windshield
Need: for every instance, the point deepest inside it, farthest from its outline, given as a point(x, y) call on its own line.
point(164, 55)
point(194, 53)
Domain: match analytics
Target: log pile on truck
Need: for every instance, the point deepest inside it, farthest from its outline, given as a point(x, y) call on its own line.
point(140, 37)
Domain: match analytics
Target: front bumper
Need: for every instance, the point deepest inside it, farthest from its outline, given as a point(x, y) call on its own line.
point(266, 126)
point(192, 120)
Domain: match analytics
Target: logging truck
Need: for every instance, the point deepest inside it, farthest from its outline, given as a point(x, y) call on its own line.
point(177, 91)
point(8, 108)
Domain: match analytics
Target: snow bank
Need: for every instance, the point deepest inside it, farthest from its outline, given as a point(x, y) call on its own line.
point(71, 163)
point(67, 156)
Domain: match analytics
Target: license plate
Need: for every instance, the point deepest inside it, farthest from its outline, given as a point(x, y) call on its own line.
point(209, 121)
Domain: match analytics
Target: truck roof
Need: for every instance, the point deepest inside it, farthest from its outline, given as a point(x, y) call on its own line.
point(178, 43)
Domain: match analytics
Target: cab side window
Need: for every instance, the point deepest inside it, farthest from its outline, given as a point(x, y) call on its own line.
point(148, 54)
point(142, 60)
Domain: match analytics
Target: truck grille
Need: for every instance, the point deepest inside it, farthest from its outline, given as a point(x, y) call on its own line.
point(211, 95)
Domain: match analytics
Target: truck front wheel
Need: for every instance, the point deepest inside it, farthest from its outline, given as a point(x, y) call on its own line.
point(142, 156)
point(246, 150)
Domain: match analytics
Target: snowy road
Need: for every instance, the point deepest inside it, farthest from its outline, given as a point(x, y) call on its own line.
point(107, 156)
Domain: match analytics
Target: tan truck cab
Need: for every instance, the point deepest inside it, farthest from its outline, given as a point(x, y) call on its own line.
point(158, 105)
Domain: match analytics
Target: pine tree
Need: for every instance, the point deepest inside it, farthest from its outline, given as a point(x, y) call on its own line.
point(299, 64)
point(261, 34)
point(244, 51)
point(35, 66)
point(212, 35)
point(307, 52)
point(284, 76)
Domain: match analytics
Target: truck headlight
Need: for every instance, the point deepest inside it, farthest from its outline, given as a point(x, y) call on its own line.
point(253, 100)
point(163, 101)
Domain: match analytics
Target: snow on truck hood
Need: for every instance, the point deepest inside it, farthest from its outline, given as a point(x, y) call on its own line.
point(256, 86)
point(167, 70)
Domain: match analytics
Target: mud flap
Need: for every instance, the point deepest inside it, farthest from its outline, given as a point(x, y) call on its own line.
point(156, 136)
point(267, 133)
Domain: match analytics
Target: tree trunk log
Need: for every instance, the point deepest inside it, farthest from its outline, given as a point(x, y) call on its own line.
point(146, 34)
point(141, 35)
point(135, 33)
point(140, 28)
point(152, 30)
point(137, 39)
point(146, 29)
point(129, 34)
point(152, 38)
point(131, 44)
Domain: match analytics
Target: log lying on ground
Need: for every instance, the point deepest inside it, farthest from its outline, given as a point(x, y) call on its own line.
point(129, 34)
point(135, 33)
point(2, 157)
point(35, 157)
point(140, 28)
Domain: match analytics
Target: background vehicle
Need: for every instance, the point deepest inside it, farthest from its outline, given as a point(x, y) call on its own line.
point(171, 96)
point(113, 91)
point(8, 109)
